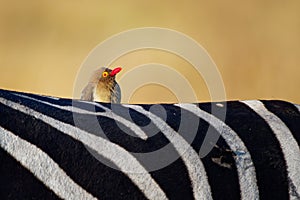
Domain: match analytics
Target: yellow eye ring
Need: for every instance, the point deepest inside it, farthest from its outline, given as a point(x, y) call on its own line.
point(105, 74)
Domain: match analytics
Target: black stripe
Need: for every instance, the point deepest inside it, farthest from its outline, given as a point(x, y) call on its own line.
point(72, 156)
point(264, 149)
point(17, 182)
point(288, 113)
point(222, 180)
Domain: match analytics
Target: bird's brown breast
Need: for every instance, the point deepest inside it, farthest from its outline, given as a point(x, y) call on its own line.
point(102, 92)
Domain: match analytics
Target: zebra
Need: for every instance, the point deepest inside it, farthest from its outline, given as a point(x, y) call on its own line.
point(45, 154)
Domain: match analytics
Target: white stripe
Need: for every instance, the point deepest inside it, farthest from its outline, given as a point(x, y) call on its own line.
point(297, 106)
point(50, 97)
point(244, 164)
point(287, 142)
point(108, 113)
point(116, 154)
point(190, 157)
point(42, 166)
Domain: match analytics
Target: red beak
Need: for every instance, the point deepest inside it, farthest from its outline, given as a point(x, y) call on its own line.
point(115, 71)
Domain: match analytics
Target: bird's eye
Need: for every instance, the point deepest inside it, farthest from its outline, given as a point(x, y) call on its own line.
point(105, 74)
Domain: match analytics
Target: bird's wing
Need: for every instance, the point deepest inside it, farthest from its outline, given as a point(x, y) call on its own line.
point(87, 92)
point(116, 94)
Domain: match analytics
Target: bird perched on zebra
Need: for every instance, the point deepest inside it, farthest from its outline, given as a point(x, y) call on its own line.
point(103, 87)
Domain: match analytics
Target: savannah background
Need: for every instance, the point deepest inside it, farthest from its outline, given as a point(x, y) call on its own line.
point(255, 44)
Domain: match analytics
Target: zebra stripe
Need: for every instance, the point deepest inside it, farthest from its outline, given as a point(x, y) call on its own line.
point(108, 113)
point(289, 145)
point(125, 161)
point(42, 166)
point(256, 156)
point(244, 162)
point(298, 106)
point(194, 165)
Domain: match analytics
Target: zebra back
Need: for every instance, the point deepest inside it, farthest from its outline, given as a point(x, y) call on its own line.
point(48, 152)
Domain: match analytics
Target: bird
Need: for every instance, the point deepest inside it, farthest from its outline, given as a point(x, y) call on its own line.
point(103, 87)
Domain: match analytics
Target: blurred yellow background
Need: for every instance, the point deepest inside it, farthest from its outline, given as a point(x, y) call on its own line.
point(255, 44)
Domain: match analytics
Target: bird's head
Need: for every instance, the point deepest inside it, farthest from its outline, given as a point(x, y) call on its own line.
point(102, 86)
point(105, 75)
point(110, 74)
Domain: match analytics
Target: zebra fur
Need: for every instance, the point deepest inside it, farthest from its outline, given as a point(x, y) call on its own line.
point(45, 155)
